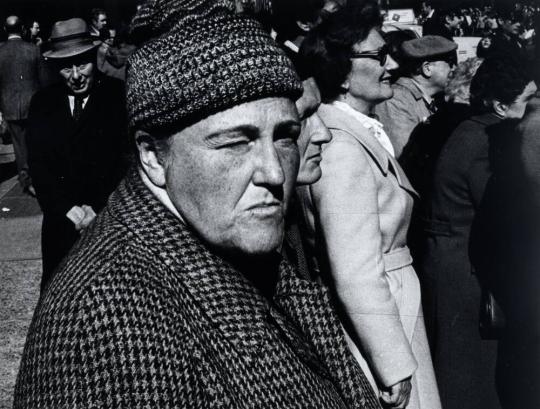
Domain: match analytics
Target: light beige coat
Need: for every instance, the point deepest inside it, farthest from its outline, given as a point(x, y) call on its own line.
point(358, 216)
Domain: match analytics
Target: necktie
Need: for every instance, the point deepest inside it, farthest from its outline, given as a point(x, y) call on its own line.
point(77, 109)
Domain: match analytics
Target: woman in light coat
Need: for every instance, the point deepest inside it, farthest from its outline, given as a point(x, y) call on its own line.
point(358, 213)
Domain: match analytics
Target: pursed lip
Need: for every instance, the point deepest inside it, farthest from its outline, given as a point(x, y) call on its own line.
point(266, 206)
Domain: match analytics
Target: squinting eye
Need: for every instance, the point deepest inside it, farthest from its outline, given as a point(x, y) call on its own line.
point(291, 134)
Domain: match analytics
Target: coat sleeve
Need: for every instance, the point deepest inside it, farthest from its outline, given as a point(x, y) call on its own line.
point(347, 201)
point(52, 196)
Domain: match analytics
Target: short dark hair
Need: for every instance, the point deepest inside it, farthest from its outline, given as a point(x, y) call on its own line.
point(509, 73)
point(94, 14)
point(287, 12)
point(327, 47)
point(14, 26)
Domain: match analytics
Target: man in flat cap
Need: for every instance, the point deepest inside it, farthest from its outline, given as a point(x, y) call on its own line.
point(427, 61)
point(77, 136)
point(176, 295)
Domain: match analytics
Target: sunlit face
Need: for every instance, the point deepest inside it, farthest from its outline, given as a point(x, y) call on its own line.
point(368, 80)
point(78, 74)
point(516, 110)
point(314, 134)
point(100, 22)
point(34, 30)
point(230, 175)
point(440, 70)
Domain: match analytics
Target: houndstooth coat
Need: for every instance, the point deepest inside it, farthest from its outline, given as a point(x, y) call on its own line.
point(143, 315)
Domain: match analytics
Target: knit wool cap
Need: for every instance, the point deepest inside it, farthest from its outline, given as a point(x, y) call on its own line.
point(197, 58)
point(428, 47)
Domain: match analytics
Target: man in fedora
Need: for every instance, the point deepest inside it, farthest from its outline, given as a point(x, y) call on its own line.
point(20, 78)
point(76, 141)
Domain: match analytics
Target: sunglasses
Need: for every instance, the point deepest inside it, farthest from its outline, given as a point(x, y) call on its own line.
point(380, 55)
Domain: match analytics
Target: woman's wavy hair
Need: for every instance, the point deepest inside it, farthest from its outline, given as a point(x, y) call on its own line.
point(459, 80)
point(499, 78)
point(328, 46)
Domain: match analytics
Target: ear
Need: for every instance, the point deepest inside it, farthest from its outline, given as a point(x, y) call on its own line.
point(346, 84)
point(426, 69)
point(500, 108)
point(148, 157)
point(305, 27)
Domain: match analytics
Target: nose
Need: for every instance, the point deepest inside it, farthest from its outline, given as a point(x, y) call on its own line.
point(321, 134)
point(390, 64)
point(75, 74)
point(269, 171)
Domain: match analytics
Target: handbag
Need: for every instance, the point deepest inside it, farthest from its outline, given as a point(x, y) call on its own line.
point(492, 319)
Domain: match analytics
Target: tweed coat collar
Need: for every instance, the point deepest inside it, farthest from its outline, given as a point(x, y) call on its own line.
point(301, 310)
point(337, 119)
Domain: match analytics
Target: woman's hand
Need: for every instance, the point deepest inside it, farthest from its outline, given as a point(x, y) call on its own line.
point(397, 396)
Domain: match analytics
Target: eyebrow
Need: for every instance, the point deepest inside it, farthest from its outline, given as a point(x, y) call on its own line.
point(251, 131)
point(287, 126)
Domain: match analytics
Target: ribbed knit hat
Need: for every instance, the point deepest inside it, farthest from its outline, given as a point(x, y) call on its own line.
point(198, 57)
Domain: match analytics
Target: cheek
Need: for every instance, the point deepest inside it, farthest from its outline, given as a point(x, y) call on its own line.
point(290, 160)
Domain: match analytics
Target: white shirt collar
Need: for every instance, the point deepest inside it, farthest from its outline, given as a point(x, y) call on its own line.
point(72, 101)
point(369, 123)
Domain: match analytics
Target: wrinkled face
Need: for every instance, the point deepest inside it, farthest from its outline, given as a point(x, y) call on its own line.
point(100, 22)
point(440, 70)
point(368, 80)
point(231, 175)
point(516, 110)
point(78, 74)
point(314, 134)
point(34, 30)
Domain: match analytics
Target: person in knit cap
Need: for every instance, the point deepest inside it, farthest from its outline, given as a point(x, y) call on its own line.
point(176, 296)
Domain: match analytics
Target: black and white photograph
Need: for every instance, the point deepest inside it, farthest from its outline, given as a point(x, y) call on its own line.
point(282, 204)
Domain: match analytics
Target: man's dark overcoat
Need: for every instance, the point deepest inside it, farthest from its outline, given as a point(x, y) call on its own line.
point(74, 163)
point(143, 314)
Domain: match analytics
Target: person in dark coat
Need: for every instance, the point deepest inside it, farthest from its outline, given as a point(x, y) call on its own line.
point(462, 358)
point(176, 296)
point(76, 142)
point(504, 249)
point(20, 78)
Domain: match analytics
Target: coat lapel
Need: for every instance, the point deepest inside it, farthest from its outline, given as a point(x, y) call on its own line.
point(229, 302)
point(335, 118)
point(309, 306)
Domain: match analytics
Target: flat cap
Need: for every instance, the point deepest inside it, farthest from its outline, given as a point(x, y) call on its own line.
point(427, 47)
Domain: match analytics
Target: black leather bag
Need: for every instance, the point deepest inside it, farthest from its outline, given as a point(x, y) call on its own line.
point(492, 320)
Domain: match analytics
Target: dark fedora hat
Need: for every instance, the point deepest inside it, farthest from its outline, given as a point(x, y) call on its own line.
point(70, 38)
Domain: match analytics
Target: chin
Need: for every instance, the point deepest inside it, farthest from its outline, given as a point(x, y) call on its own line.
point(309, 177)
point(261, 242)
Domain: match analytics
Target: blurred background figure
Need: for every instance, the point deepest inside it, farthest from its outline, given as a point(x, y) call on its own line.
point(114, 51)
point(32, 33)
point(462, 355)
point(20, 79)
point(98, 21)
point(357, 214)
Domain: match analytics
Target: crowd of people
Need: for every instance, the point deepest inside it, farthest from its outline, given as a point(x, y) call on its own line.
point(254, 204)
